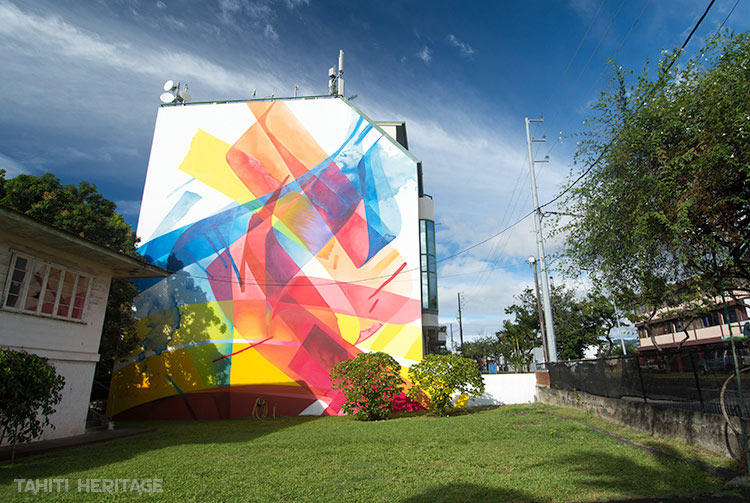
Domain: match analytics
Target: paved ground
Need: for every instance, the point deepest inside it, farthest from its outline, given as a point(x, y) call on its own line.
point(90, 437)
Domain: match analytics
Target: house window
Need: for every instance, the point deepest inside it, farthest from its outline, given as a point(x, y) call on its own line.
point(39, 287)
point(428, 265)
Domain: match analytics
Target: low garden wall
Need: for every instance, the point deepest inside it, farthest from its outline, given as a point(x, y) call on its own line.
point(709, 431)
point(505, 389)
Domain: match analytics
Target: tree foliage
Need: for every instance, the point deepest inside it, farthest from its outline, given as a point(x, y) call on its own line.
point(29, 390)
point(519, 336)
point(370, 382)
point(663, 215)
point(480, 348)
point(441, 376)
point(82, 210)
point(579, 323)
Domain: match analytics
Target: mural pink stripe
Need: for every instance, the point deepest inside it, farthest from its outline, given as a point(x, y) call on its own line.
point(393, 276)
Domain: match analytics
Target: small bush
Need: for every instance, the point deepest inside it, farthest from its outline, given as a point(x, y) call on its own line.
point(440, 376)
point(369, 382)
point(29, 390)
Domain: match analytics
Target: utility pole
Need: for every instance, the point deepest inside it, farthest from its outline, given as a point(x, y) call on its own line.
point(551, 340)
point(532, 261)
point(619, 327)
point(453, 343)
point(460, 323)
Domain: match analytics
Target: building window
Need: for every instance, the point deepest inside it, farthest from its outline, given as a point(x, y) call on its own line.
point(428, 265)
point(39, 287)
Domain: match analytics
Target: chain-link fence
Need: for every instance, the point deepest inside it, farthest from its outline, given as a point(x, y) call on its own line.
point(688, 378)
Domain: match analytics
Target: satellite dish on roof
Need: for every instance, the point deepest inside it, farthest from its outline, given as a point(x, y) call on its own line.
point(166, 97)
point(169, 85)
point(183, 95)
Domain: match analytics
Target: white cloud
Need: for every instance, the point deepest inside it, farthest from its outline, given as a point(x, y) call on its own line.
point(161, 5)
point(293, 4)
point(584, 8)
point(465, 49)
point(425, 54)
point(270, 33)
point(54, 38)
point(12, 168)
point(173, 23)
point(128, 208)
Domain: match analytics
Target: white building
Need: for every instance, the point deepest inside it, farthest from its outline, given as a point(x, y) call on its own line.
point(54, 297)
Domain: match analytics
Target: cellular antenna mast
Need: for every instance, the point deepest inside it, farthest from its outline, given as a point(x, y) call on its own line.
point(341, 73)
point(336, 82)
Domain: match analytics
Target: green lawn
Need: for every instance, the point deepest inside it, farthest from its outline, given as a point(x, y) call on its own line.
point(512, 453)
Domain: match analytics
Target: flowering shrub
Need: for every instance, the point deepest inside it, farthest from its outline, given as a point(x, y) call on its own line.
point(403, 403)
point(369, 382)
point(440, 376)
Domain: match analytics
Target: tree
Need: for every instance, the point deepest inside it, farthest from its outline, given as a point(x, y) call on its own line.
point(82, 210)
point(520, 336)
point(29, 390)
point(579, 323)
point(600, 318)
point(370, 382)
point(441, 376)
point(662, 214)
point(479, 348)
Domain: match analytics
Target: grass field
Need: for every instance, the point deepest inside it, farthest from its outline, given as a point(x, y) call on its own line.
point(512, 453)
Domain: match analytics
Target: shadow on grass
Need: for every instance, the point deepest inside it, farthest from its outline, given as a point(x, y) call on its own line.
point(633, 481)
point(455, 493)
point(57, 464)
point(451, 413)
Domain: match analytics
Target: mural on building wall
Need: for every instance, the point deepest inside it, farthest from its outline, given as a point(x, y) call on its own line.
point(292, 230)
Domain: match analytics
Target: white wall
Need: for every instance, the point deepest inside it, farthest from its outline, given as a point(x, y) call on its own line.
point(71, 346)
point(506, 389)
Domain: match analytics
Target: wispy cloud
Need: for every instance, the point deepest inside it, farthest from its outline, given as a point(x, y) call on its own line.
point(129, 208)
point(465, 49)
point(270, 33)
point(293, 4)
point(12, 168)
point(54, 37)
point(425, 54)
point(584, 8)
point(262, 11)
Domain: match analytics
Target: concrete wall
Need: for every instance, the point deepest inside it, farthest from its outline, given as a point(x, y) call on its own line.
point(709, 431)
point(505, 389)
point(71, 346)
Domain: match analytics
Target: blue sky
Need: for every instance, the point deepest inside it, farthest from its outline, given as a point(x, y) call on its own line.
point(81, 82)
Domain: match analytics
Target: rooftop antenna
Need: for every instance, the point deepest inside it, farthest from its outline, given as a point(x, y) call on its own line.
point(336, 81)
point(341, 73)
point(332, 80)
point(174, 93)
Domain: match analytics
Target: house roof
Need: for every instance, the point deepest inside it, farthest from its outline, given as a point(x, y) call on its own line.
point(121, 265)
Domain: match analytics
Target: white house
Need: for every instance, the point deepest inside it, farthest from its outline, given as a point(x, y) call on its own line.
point(53, 301)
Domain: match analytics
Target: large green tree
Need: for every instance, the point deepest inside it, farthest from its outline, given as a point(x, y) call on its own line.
point(520, 335)
point(84, 211)
point(579, 322)
point(662, 213)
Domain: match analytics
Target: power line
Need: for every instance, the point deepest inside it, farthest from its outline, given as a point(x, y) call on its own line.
point(585, 66)
point(580, 44)
point(524, 217)
point(659, 83)
point(611, 58)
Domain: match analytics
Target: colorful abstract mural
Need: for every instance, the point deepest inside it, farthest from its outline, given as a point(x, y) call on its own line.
point(292, 230)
